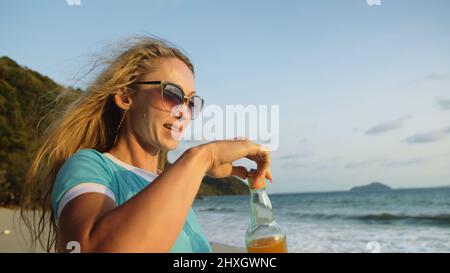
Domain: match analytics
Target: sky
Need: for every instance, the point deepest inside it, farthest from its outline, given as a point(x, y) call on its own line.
point(363, 90)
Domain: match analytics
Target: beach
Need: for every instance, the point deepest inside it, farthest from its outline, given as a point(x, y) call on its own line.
point(403, 220)
point(14, 236)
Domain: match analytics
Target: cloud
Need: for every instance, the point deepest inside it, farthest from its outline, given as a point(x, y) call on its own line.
point(427, 137)
point(363, 163)
point(291, 156)
point(404, 163)
point(432, 77)
point(295, 165)
point(444, 103)
point(387, 126)
point(356, 129)
point(382, 162)
point(317, 164)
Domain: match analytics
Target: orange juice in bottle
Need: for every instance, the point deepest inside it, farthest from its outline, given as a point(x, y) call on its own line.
point(263, 235)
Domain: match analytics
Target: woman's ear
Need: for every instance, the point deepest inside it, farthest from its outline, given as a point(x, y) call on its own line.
point(122, 98)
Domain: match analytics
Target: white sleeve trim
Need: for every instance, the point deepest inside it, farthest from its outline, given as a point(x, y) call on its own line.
point(81, 189)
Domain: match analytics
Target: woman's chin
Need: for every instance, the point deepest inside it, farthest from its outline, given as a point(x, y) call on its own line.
point(170, 144)
point(170, 140)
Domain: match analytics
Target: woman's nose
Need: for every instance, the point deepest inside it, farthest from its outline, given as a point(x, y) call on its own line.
point(182, 111)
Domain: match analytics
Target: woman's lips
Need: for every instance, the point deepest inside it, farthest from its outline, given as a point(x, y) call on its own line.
point(173, 127)
point(175, 131)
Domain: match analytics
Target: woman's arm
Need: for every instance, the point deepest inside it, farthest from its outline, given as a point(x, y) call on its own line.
point(151, 220)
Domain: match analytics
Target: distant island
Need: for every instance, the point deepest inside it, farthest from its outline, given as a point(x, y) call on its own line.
point(374, 186)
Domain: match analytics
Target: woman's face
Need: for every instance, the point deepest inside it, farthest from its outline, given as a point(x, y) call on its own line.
point(150, 122)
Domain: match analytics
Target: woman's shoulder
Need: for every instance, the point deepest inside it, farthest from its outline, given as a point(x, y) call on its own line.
point(85, 160)
point(84, 166)
point(86, 156)
point(86, 153)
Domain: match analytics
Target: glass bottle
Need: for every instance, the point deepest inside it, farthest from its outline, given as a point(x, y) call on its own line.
point(263, 235)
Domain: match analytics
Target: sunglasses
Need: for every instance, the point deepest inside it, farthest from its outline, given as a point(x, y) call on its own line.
point(173, 96)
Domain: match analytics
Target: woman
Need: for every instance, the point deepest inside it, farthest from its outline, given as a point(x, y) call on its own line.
point(96, 175)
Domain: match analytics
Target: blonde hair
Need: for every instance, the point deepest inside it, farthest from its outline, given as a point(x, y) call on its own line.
point(91, 121)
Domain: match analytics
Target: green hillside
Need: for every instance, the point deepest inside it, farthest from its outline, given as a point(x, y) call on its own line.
point(29, 101)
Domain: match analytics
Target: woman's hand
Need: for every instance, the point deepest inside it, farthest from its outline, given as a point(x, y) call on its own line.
point(222, 153)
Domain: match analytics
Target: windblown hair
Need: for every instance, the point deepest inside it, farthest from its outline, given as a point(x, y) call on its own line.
point(91, 121)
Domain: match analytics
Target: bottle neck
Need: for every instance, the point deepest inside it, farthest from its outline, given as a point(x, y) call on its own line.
point(260, 207)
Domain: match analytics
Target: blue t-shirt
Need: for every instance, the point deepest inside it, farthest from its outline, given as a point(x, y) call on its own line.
point(91, 166)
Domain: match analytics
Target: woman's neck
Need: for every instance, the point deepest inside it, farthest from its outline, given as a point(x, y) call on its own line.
point(129, 150)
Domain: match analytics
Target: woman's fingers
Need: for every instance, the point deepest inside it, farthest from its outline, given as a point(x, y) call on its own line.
point(239, 171)
point(263, 161)
point(269, 175)
point(227, 151)
point(242, 172)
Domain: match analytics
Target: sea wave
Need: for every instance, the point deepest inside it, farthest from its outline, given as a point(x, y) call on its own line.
point(216, 209)
point(387, 218)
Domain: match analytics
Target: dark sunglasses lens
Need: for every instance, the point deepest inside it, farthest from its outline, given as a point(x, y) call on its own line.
point(195, 106)
point(172, 96)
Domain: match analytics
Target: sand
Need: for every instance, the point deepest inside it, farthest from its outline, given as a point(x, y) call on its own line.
point(14, 236)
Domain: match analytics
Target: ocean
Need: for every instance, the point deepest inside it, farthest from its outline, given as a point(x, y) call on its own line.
point(404, 220)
